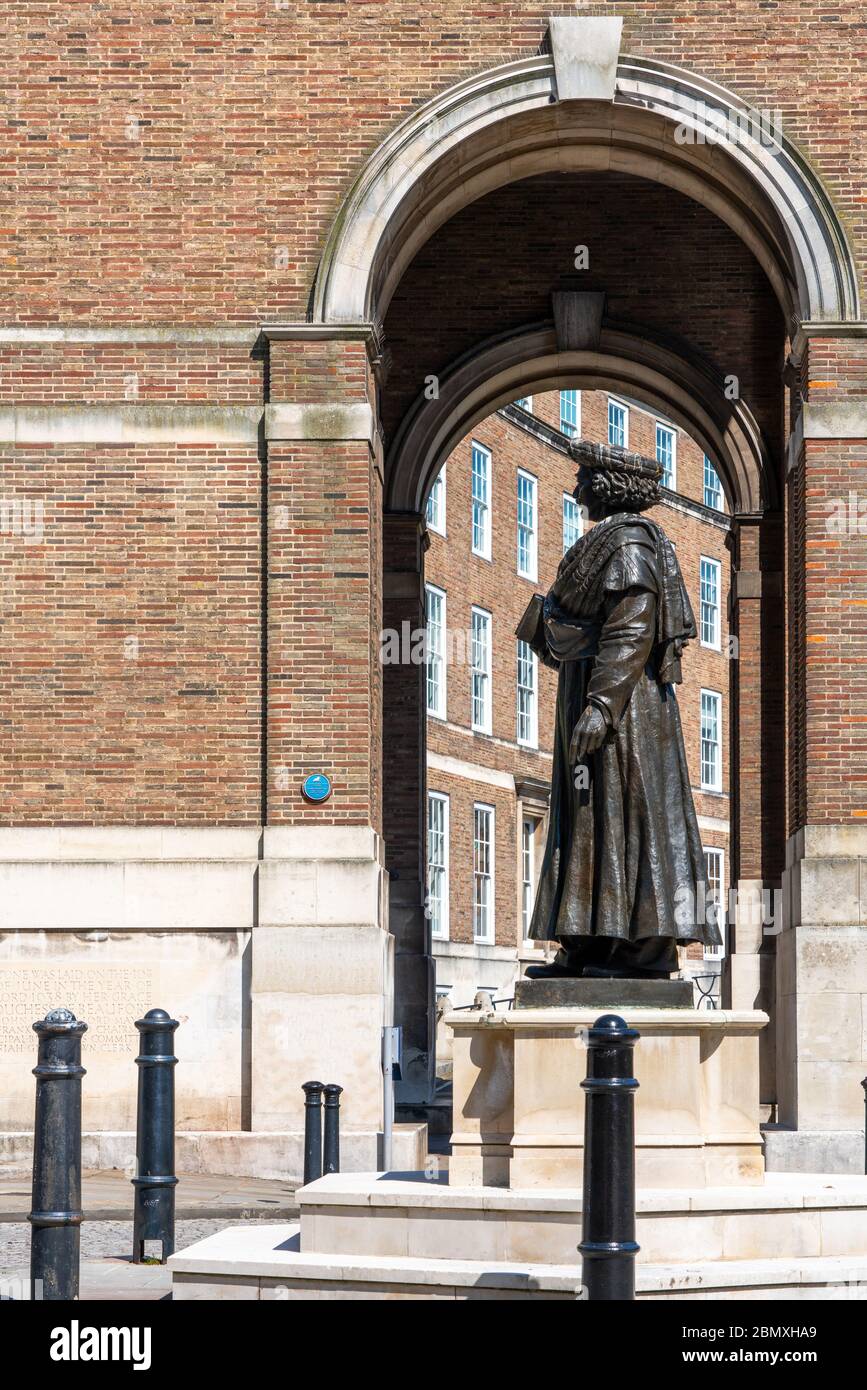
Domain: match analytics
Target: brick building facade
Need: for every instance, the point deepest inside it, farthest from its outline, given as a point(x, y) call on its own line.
point(264, 269)
point(490, 777)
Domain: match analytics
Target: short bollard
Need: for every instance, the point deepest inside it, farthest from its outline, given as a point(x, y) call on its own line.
point(608, 1243)
point(864, 1084)
point(55, 1217)
point(332, 1129)
point(312, 1130)
point(154, 1183)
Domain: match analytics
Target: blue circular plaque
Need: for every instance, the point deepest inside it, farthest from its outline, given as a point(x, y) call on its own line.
point(316, 787)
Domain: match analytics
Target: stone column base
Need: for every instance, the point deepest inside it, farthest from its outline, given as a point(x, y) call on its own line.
point(322, 983)
point(822, 981)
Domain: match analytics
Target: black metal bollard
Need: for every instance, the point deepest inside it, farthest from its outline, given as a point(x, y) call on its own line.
point(312, 1130)
point(55, 1217)
point(155, 1181)
point(332, 1128)
point(864, 1084)
point(608, 1243)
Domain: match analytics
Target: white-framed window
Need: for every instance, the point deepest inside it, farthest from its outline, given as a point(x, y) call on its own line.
point(711, 741)
point(573, 521)
point(438, 863)
point(618, 424)
point(480, 664)
point(570, 413)
point(481, 489)
point(436, 504)
point(710, 572)
point(435, 647)
point(483, 872)
point(666, 454)
point(713, 493)
point(714, 872)
point(528, 564)
point(528, 684)
point(526, 403)
point(529, 827)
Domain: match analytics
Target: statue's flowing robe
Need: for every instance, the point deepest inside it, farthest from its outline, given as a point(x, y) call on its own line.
point(623, 857)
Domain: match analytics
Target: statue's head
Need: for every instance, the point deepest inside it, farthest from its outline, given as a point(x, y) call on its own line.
point(611, 479)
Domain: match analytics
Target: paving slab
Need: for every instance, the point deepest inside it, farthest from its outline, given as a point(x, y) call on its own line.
point(107, 1196)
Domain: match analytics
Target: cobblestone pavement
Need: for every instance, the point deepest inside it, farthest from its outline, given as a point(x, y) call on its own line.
point(101, 1239)
point(107, 1271)
point(205, 1203)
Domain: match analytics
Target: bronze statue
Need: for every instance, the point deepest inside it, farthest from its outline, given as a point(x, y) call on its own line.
point(621, 880)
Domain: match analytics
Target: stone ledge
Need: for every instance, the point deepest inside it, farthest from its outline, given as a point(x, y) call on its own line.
point(97, 843)
point(779, 1192)
point(813, 1150)
point(649, 1020)
point(846, 419)
point(319, 421)
point(277, 1154)
point(164, 422)
point(823, 1271)
point(322, 842)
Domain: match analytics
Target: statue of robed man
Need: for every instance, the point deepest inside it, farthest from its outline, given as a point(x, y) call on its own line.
point(622, 880)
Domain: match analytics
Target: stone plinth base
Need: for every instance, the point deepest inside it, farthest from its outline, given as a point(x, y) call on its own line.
point(383, 1235)
point(603, 995)
point(519, 1106)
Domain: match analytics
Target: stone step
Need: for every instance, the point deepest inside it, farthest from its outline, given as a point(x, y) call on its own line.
point(828, 1277)
point(790, 1216)
point(266, 1262)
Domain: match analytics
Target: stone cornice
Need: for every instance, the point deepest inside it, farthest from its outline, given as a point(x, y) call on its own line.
point(825, 328)
point(160, 335)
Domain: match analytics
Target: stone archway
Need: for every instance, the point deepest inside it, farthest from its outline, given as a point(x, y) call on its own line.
point(584, 106)
point(581, 106)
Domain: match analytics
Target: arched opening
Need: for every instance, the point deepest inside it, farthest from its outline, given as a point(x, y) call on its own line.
point(443, 248)
point(428, 403)
point(532, 361)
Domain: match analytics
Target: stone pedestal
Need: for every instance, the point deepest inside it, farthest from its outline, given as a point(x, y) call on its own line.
point(519, 1106)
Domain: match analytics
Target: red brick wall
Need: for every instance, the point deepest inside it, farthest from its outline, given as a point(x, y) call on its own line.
point(827, 600)
point(130, 684)
point(56, 373)
point(254, 119)
point(183, 164)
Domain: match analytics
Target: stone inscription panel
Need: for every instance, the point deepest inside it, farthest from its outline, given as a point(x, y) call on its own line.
point(109, 998)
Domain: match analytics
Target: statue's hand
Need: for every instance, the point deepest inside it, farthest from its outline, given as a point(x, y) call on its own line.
point(588, 734)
